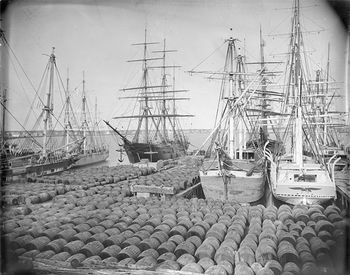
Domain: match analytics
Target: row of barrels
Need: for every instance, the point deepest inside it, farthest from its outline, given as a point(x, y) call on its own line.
point(179, 177)
point(43, 189)
point(103, 174)
point(31, 193)
point(192, 235)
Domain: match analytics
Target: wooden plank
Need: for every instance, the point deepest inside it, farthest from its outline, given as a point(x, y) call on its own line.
point(153, 189)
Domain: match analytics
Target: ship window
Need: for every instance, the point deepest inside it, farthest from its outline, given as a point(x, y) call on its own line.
point(307, 178)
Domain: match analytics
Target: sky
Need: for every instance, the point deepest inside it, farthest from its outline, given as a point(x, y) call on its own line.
point(96, 37)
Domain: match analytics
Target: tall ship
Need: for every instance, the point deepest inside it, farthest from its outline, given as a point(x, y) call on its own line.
point(93, 149)
point(158, 135)
point(303, 175)
point(233, 167)
point(36, 152)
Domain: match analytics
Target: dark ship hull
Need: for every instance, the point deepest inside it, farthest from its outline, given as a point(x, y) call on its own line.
point(153, 152)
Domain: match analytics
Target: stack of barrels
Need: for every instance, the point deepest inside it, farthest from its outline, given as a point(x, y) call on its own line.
point(179, 177)
point(43, 189)
point(201, 236)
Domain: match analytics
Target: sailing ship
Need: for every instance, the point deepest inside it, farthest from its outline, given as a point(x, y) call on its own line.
point(233, 167)
point(299, 178)
point(162, 137)
point(92, 150)
point(30, 157)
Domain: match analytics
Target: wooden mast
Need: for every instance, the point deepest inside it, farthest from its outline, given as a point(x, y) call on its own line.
point(48, 108)
point(298, 146)
point(67, 113)
point(84, 121)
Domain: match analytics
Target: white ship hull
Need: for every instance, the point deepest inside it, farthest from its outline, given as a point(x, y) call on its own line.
point(314, 187)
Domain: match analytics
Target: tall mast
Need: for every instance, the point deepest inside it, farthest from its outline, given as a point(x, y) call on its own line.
point(67, 114)
point(84, 122)
point(231, 96)
point(164, 111)
point(325, 130)
point(48, 108)
point(3, 99)
point(145, 74)
point(298, 146)
point(263, 82)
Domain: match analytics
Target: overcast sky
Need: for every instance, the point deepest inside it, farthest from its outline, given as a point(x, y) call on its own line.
point(96, 37)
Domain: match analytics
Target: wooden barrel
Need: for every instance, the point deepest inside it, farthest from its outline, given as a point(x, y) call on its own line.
point(325, 236)
point(206, 262)
point(142, 234)
point(107, 223)
point(112, 231)
point(146, 262)
point(168, 265)
point(20, 242)
point(225, 254)
point(114, 239)
point(130, 241)
point(149, 252)
point(37, 243)
point(73, 247)
point(168, 246)
point(318, 217)
point(166, 256)
point(149, 243)
point(264, 253)
point(205, 250)
point(229, 243)
point(76, 259)
point(198, 231)
point(233, 235)
point(308, 232)
point(93, 260)
point(186, 223)
point(275, 266)
point(324, 225)
point(176, 239)
point(291, 267)
point(183, 248)
point(204, 224)
point(91, 249)
point(110, 251)
point(306, 257)
point(51, 233)
point(287, 253)
point(178, 230)
point(131, 251)
point(82, 236)
point(96, 229)
point(161, 236)
point(195, 240)
point(185, 259)
point(55, 245)
point(67, 234)
point(63, 256)
point(192, 267)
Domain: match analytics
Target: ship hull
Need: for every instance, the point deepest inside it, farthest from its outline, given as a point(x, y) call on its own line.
point(153, 152)
point(240, 187)
point(25, 168)
point(92, 158)
point(315, 187)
